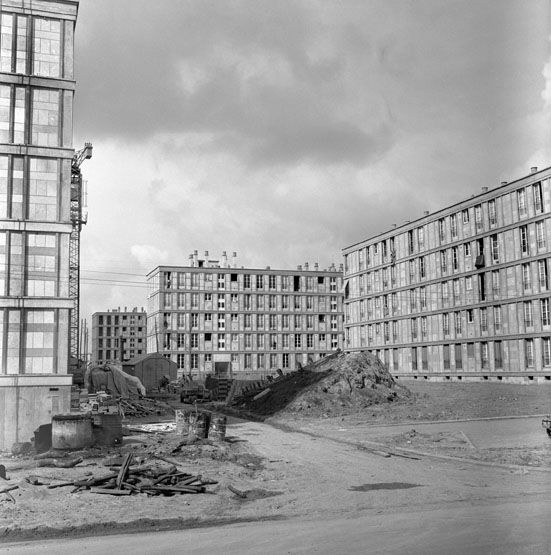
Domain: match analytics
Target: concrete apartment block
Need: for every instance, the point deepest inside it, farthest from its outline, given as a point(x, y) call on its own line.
point(211, 317)
point(118, 336)
point(36, 105)
point(462, 293)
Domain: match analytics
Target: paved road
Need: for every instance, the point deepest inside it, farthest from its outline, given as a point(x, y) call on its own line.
point(503, 528)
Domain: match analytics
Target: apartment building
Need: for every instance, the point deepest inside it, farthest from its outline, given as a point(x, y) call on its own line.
point(212, 317)
point(462, 293)
point(118, 336)
point(36, 148)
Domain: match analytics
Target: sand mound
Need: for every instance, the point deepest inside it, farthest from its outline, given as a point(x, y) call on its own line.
point(343, 384)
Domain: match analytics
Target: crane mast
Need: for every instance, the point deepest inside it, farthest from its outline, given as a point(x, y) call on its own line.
point(78, 219)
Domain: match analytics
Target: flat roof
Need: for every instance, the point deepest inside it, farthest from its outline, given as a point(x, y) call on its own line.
point(473, 198)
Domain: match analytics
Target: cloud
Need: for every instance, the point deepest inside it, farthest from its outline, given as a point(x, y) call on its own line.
point(148, 256)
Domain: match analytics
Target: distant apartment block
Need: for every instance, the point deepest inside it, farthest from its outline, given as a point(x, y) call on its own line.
point(212, 317)
point(36, 150)
point(118, 336)
point(461, 293)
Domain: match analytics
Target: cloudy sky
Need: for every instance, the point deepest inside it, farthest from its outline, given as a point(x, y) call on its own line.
point(287, 130)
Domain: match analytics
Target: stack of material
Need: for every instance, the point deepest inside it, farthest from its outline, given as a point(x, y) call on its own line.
point(147, 479)
point(141, 407)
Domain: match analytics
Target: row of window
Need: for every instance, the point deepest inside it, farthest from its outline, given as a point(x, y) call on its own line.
point(28, 341)
point(29, 115)
point(129, 331)
point(185, 280)
point(249, 301)
point(104, 356)
point(261, 361)
point(29, 188)
point(246, 321)
point(470, 357)
point(458, 321)
point(29, 265)
point(529, 202)
point(114, 342)
point(458, 258)
point(533, 277)
point(250, 341)
point(31, 45)
point(114, 319)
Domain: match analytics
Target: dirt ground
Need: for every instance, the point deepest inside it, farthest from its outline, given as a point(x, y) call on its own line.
point(288, 466)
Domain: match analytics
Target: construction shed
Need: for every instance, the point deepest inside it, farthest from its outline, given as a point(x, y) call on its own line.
point(151, 369)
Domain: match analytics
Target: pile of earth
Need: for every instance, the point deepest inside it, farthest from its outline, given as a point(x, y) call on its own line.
point(344, 384)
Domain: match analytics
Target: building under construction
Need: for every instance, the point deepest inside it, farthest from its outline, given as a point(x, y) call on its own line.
point(36, 212)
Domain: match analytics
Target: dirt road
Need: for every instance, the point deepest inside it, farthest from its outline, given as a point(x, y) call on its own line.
point(319, 479)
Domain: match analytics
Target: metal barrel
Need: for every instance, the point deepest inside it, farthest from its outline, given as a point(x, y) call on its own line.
point(217, 429)
point(199, 425)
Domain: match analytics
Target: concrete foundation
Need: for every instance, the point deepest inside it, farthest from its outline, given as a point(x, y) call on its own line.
point(26, 402)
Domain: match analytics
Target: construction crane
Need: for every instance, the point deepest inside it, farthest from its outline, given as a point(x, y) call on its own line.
point(78, 219)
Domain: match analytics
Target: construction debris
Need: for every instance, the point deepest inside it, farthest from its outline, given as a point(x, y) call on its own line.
point(134, 477)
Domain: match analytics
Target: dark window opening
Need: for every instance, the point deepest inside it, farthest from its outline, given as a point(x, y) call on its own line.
point(233, 277)
point(320, 280)
point(296, 283)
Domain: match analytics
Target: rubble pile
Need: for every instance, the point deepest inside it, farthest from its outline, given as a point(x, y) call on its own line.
point(345, 384)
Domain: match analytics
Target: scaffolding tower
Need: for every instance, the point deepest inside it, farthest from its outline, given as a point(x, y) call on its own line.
point(78, 219)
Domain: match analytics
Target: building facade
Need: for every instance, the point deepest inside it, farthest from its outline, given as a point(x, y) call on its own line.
point(36, 148)
point(118, 336)
point(461, 293)
point(209, 317)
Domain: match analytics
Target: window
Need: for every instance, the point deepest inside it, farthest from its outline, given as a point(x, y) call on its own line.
point(334, 323)
point(180, 360)
point(497, 318)
point(259, 282)
point(465, 215)
point(495, 283)
point(334, 341)
point(260, 360)
point(310, 341)
point(526, 277)
point(298, 340)
point(528, 319)
point(273, 361)
point(446, 323)
point(529, 351)
point(248, 341)
point(260, 340)
point(542, 275)
point(546, 350)
point(453, 225)
point(194, 320)
point(423, 326)
point(421, 237)
point(194, 361)
point(524, 246)
point(13, 60)
point(181, 320)
point(540, 234)
point(494, 242)
point(414, 328)
point(467, 249)
point(468, 283)
point(521, 202)
point(43, 187)
point(194, 340)
point(478, 217)
point(443, 262)
point(272, 282)
point(309, 303)
point(47, 47)
point(333, 284)
point(181, 340)
point(46, 106)
point(333, 304)
point(285, 339)
point(234, 298)
point(222, 321)
point(12, 114)
point(470, 316)
point(492, 212)
point(458, 323)
point(422, 266)
point(285, 360)
point(247, 281)
point(455, 258)
point(442, 230)
point(538, 199)
point(221, 341)
point(483, 319)
point(41, 255)
point(248, 321)
point(39, 341)
point(544, 310)
point(484, 354)
point(221, 302)
point(195, 300)
point(181, 300)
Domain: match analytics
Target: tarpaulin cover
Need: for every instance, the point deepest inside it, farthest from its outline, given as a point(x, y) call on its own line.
point(112, 379)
